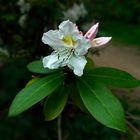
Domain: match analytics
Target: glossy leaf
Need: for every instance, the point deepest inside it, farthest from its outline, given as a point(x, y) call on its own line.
point(89, 65)
point(35, 92)
point(37, 67)
point(55, 104)
point(76, 98)
point(112, 77)
point(102, 105)
point(32, 81)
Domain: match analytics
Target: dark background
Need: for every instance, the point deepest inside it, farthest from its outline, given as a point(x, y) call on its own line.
point(22, 24)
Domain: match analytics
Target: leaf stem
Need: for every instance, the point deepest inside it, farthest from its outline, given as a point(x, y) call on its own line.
point(134, 129)
point(59, 128)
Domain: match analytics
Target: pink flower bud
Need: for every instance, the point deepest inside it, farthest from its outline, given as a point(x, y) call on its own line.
point(92, 32)
point(100, 41)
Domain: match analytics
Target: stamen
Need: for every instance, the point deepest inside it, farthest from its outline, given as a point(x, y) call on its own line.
point(68, 39)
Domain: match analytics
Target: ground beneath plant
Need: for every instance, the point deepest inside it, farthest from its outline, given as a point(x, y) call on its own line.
point(124, 57)
point(120, 56)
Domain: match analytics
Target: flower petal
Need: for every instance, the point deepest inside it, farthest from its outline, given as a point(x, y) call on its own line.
point(82, 46)
point(100, 41)
point(67, 27)
point(51, 61)
point(77, 64)
point(92, 32)
point(53, 39)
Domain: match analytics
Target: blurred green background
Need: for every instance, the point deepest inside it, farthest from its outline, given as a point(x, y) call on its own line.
point(22, 23)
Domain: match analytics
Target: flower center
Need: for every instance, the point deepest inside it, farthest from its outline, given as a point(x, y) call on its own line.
point(68, 39)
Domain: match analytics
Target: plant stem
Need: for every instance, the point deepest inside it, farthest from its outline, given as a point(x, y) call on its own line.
point(137, 132)
point(59, 128)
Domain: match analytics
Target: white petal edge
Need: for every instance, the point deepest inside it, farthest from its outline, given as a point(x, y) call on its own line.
point(77, 64)
point(52, 38)
point(82, 46)
point(67, 27)
point(97, 42)
point(51, 61)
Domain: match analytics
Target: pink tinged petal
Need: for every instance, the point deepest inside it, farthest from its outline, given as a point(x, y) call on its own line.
point(100, 41)
point(92, 32)
point(81, 33)
point(76, 26)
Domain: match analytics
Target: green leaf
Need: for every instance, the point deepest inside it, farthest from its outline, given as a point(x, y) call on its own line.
point(32, 80)
point(37, 67)
point(112, 77)
point(102, 105)
point(76, 98)
point(55, 104)
point(35, 92)
point(89, 65)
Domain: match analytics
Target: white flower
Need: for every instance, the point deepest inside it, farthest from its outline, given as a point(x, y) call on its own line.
point(69, 46)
